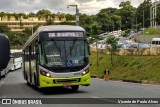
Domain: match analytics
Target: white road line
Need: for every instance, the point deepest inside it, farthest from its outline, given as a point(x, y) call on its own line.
point(1, 83)
point(120, 81)
point(103, 99)
point(151, 85)
point(94, 97)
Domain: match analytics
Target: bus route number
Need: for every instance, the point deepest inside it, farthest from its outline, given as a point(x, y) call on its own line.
point(51, 35)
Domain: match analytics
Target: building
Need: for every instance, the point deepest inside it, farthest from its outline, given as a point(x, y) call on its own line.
point(20, 24)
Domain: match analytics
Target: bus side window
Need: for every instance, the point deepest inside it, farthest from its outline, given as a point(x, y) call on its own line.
point(41, 56)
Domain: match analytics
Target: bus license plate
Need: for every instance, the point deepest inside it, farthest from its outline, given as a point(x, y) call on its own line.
point(66, 84)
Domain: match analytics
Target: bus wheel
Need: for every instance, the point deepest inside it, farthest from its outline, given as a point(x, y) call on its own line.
point(14, 68)
point(35, 82)
point(0, 75)
point(75, 88)
point(28, 83)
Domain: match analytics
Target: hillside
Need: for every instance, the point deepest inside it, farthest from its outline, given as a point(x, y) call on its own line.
point(126, 67)
point(151, 31)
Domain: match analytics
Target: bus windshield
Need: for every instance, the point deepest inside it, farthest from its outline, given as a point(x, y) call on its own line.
point(64, 53)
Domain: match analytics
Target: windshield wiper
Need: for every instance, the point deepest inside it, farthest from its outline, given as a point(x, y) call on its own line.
point(57, 46)
point(72, 47)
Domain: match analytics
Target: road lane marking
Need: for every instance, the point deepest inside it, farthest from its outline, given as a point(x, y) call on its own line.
point(151, 85)
point(104, 99)
point(120, 81)
point(94, 97)
point(1, 83)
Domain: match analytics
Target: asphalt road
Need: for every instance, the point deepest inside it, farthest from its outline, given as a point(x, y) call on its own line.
point(14, 86)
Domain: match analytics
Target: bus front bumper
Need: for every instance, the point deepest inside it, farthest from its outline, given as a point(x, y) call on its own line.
point(63, 82)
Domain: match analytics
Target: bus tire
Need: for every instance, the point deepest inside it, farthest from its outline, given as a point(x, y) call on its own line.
point(75, 87)
point(27, 81)
point(0, 75)
point(35, 82)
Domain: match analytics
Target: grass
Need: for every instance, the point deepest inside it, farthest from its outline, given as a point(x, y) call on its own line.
point(151, 31)
point(126, 67)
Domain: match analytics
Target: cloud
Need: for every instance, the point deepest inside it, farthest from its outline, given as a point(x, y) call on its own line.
point(85, 6)
point(83, 1)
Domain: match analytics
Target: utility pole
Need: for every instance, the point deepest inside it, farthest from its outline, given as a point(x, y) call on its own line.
point(143, 28)
point(136, 27)
point(77, 13)
point(138, 51)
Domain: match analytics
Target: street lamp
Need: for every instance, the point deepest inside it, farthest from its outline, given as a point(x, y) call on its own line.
point(143, 24)
point(138, 50)
point(96, 46)
point(77, 13)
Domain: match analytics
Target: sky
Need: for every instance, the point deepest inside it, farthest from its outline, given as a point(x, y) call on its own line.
point(85, 6)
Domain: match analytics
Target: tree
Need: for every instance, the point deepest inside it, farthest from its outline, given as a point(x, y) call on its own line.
point(126, 11)
point(95, 31)
point(21, 23)
point(109, 19)
point(145, 6)
point(113, 46)
point(158, 15)
point(109, 10)
point(86, 21)
point(31, 14)
point(49, 22)
point(70, 17)
point(45, 13)
point(116, 21)
point(4, 29)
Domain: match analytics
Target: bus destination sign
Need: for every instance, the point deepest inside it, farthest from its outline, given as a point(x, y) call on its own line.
point(65, 34)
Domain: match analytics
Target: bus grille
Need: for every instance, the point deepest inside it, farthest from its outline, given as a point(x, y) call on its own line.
point(67, 80)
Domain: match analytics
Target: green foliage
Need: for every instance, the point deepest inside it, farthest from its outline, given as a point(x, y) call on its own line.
point(67, 23)
point(70, 17)
point(95, 29)
point(108, 10)
point(114, 44)
point(151, 31)
point(44, 12)
point(108, 19)
point(86, 21)
point(126, 67)
point(158, 15)
point(49, 22)
point(17, 38)
point(31, 14)
point(145, 6)
point(112, 41)
point(4, 29)
point(126, 33)
point(126, 11)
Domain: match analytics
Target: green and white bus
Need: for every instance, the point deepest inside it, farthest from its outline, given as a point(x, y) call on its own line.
point(57, 56)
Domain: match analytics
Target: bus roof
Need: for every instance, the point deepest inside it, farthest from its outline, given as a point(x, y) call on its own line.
point(52, 28)
point(156, 39)
point(60, 28)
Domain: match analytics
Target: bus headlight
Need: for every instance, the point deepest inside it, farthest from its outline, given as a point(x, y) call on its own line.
point(45, 73)
point(85, 71)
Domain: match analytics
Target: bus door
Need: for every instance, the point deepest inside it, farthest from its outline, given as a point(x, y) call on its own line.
point(30, 69)
point(37, 62)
